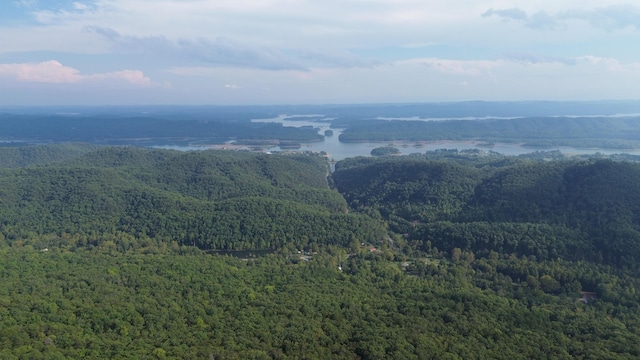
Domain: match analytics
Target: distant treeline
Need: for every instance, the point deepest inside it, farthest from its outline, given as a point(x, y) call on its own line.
point(184, 125)
point(141, 130)
point(464, 109)
point(617, 133)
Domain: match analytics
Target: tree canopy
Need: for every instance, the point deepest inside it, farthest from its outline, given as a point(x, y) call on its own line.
point(106, 253)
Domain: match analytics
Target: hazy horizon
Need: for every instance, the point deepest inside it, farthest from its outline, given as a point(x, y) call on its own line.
point(229, 52)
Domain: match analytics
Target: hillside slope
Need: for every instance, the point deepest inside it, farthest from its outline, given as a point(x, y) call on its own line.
point(578, 210)
point(125, 197)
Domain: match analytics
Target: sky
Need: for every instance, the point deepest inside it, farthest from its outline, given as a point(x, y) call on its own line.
point(243, 52)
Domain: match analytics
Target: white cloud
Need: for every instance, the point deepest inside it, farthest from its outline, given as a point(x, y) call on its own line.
point(538, 20)
point(135, 77)
point(588, 78)
point(332, 50)
point(611, 17)
point(53, 72)
point(274, 27)
point(531, 58)
point(610, 64)
point(25, 3)
point(511, 13)
point(270, 23)
point(80, 6)
point(226, 52)
point(44, 72)
point(428, 79)
point(221, 51)
point(77, 11)
point(457, 67)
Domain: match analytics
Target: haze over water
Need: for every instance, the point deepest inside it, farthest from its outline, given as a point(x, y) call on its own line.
point(340, 150)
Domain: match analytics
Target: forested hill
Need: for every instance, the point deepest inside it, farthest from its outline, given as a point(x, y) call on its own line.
point(125, 198)
point(105, 254)
point(21, 156)
point(576, 210)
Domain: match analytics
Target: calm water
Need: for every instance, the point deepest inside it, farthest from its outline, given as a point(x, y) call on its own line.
point(338, 150)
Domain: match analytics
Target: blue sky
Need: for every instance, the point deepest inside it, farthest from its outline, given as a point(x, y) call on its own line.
point(310, 51)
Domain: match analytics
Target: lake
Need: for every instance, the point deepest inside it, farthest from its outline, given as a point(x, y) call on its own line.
point(338, 150)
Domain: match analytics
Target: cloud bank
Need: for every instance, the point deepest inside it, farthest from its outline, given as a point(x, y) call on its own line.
point(226, 52)
point(299, 51)
point(612, 17)
point(53, 72)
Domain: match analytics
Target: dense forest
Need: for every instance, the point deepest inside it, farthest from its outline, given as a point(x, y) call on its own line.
point(572, 209)
point(210, 199)
point(106, 252)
